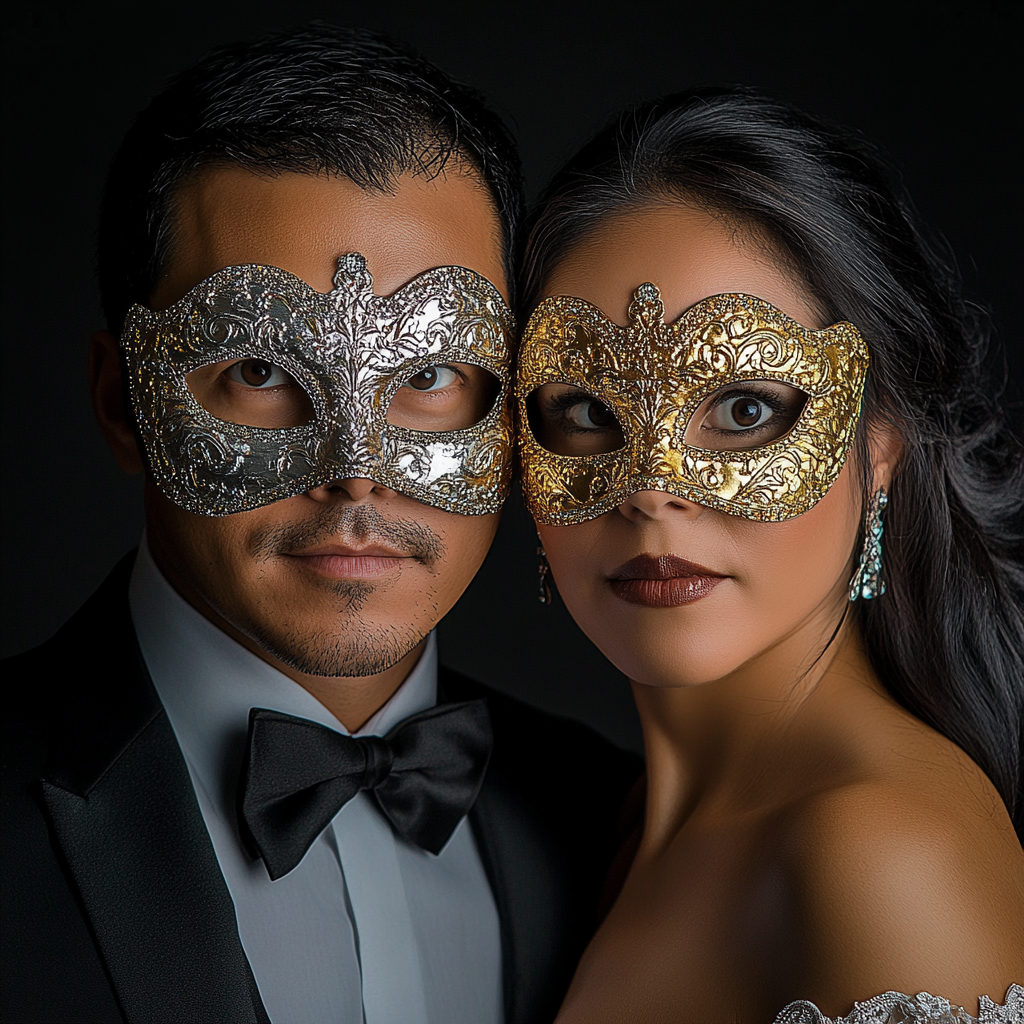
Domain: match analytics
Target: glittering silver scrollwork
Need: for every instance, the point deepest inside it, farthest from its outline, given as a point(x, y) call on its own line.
point(351, 351)
point(899, 1008)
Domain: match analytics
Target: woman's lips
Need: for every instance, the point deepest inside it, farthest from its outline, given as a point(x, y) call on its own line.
point(662, 581)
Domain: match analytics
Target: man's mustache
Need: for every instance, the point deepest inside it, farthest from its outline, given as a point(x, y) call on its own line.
point(355, 525)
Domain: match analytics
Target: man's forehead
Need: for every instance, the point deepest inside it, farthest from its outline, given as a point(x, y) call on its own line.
point(228, 215)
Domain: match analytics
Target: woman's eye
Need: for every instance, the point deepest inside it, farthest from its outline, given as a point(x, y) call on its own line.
point(590, 415)
point(737, 417)
point(433, 378)
point(744, 412)
point(258, 373)
point(568, 421)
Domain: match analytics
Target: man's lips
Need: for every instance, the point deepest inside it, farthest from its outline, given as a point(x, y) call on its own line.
point(662, 581)
point(339, 562)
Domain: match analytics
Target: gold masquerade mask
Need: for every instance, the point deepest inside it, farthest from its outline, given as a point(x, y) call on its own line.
point(350, 351)
point(653, 377)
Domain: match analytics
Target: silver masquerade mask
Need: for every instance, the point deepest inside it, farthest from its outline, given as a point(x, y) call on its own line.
point(350, 351)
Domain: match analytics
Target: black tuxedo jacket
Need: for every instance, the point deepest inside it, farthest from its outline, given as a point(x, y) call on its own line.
point(114, 907)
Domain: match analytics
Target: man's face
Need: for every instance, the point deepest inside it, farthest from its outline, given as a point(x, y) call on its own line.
point(345, 579)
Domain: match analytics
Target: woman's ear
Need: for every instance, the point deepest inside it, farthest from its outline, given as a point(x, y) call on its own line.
point(885, 449)
point(108, 401)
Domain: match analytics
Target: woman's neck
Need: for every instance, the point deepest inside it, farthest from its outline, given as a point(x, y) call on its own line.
point(750, 738)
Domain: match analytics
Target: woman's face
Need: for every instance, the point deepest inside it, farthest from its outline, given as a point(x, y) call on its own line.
point(732, 589)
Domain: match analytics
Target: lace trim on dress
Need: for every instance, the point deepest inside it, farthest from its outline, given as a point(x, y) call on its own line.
point(897, 1008)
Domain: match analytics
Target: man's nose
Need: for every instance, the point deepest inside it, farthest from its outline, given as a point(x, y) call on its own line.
point(657, 505)
point(351, 488)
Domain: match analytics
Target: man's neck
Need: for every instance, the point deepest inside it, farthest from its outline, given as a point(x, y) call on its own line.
point(353, 700)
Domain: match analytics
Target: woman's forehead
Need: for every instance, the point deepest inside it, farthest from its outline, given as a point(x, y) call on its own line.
point(689, 253)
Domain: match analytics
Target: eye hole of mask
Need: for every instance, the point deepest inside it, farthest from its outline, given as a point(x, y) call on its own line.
point(745, 414)
point(449, 396)
point(253, 392)
point(568, 421)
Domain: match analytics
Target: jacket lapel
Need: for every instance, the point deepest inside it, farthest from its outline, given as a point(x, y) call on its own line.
point(530, 879)
point(526, 892)
point(122, 807)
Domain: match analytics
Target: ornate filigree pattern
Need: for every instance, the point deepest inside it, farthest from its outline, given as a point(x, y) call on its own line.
point(351, 351)
point(897, 1008)
point(654, 376)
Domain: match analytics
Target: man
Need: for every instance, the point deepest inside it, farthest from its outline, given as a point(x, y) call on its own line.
point(305, 254)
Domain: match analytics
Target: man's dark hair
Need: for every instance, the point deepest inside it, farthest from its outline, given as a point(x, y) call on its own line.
point(319, 100)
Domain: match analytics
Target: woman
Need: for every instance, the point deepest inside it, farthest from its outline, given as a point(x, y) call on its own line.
point(772, 490)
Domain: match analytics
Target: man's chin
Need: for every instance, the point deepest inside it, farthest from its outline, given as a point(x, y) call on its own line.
point(366, 649)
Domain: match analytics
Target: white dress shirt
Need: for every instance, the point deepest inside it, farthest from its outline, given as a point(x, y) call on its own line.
point(368, 928)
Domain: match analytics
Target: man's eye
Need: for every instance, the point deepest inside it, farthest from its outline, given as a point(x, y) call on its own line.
point(433, 378)
point(744, 412)
point(591, 415)
point(258, 373)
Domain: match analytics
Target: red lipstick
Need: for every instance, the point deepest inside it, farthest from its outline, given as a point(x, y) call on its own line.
point(662, 581)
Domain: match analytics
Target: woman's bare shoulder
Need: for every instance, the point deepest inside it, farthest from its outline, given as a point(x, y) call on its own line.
point(910, 878)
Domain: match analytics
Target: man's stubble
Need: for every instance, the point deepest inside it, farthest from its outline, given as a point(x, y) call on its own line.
point(357, 647)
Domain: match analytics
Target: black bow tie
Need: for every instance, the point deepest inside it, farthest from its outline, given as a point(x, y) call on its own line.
point(425, 775)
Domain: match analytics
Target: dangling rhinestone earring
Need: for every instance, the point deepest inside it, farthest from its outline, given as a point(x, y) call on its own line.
point(543, 571)
point(867, 581)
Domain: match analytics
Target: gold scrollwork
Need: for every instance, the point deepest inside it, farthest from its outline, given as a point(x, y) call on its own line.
point(654, 376)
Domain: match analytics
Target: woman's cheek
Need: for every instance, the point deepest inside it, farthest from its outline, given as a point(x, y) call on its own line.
point(810, 555)
point(782, 575)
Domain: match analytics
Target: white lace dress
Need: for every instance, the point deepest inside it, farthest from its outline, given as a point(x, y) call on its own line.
point(897, 1008)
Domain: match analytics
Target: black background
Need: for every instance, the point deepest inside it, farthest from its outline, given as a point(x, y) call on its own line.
point(937, 84)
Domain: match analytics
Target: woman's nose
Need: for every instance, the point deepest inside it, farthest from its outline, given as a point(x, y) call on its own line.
point(657, 504)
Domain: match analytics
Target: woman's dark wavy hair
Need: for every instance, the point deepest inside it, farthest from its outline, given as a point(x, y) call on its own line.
point(947, 639)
